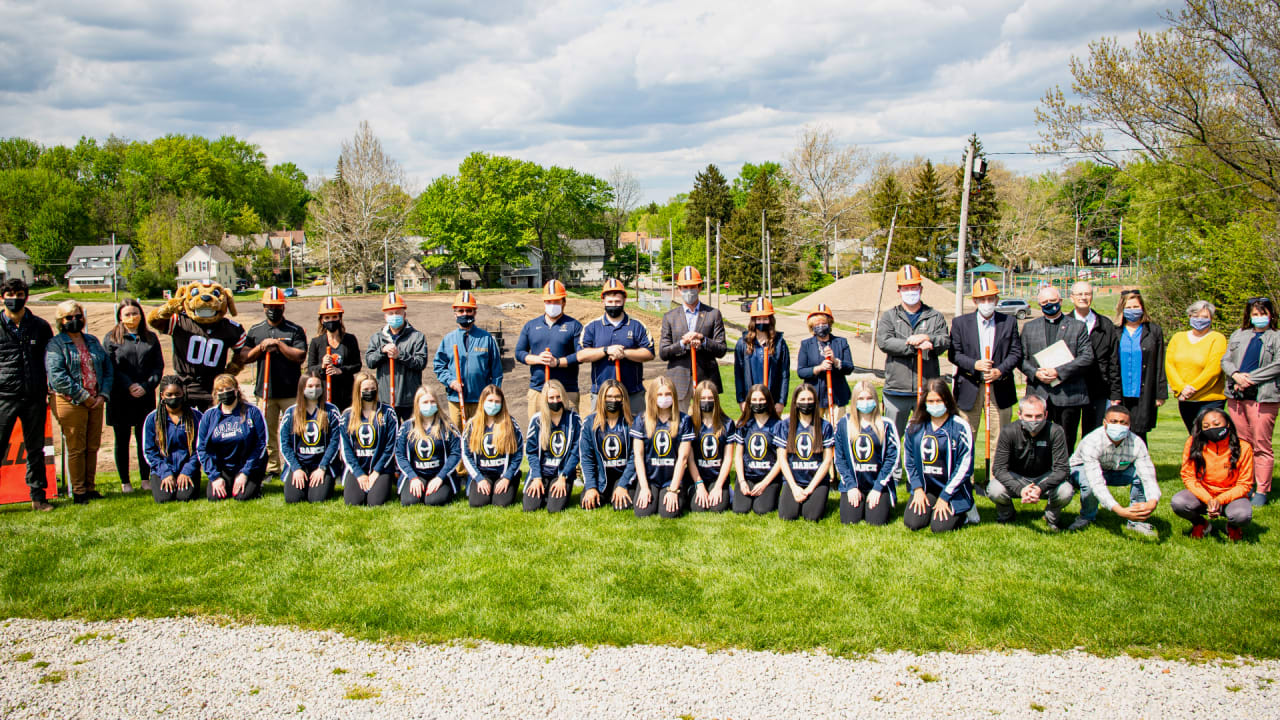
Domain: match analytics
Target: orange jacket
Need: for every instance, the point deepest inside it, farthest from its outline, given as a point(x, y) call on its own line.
point(1219, 483)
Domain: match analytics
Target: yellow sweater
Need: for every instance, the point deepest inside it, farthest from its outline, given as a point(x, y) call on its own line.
point(1196, 364)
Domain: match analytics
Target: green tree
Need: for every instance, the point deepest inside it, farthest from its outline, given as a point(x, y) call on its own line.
point(984, 209)
point(626, 263)
point(558, 202)
point(747, 177)
point(710, 198)
point(43, 214)
point(18, 153)
point(923, 226)
point(741, 245)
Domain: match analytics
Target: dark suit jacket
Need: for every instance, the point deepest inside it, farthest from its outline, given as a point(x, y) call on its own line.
point(1154, 384)
point(714, 347)
point(1071, 391)
point(966, 349)
point(1099, 376)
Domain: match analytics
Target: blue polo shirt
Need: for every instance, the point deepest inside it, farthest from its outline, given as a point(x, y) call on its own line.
point(631, 335)
point(564, 337)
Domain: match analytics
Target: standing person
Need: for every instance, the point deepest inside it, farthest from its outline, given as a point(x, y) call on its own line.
point(938, 453)
point(1031, 463)
point(559, 337)
point(368, 445)
point(206, 343)
point(231, 442)
point(476, 350)
point(492, 451)
point(169, 441)
point(1113, 456)
point(397, 353)
point(1097, 376)
point(24, 339)
point(1193, 364)
point(334, 353)
point(986, 349)
point(80, 378)
point(660, 446)
point(713, 451)
point(692, 328)
point(825, 353)
point(912, 337)
point(1063, 387)
point(1140, 382)
point(310, 438)
point(757, 463)
point(135, 354)
point(809, 443)
point(608, 466)
point(761, 351)
point(1252, 367)
point(1217, 470)
point(285, 343)
point(867, 455)
point(427, 450)
point(551, 447)
point(617, 346)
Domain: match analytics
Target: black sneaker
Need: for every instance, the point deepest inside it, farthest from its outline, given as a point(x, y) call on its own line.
point(79, 499)
point(1004, 519)
point(94, 495)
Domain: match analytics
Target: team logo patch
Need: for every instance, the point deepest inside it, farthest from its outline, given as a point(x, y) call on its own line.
point(424, 449)
point(863, 448)
point(662, 443)
point(757, 446)
point(490, 450)
point(311, 434)
point(710, 447)
point(804, 445)
point(929, 449)
point(366, 436)
point(612, 447)
point(558, 443)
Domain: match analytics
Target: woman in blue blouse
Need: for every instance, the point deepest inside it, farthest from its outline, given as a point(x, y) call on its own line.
point(867, 453)
point(756, 461)
point(1139, 381)
point(427, 451)
point(368, 445)
point(169, 444)
point(939, 460)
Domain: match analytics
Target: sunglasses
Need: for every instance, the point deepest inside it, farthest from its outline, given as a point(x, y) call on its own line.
point(1130, 292)
point(1259, 299)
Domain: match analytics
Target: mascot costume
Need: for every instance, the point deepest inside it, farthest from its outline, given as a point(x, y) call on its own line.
point(206, 343)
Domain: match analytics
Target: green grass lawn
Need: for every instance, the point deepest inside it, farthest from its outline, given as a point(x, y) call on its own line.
point(607, 578)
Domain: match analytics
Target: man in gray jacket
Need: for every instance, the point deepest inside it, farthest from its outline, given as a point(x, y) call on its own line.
point(1063, 387)
point(397, 354)
point(909, 334)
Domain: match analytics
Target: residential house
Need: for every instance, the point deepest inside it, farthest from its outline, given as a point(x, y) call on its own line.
point(280, 242)
point(98, 268)
point(207, 263)
point(585, 262)
point(641, 239)
point(15, 264)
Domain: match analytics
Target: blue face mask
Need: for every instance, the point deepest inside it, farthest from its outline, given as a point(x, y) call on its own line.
point(1133, 314)
point(492, 408)
point(395, 322)
point(1260, 322)
point(1117, 432)
point(866, 406)
point(936, 409)
point(1199, 323)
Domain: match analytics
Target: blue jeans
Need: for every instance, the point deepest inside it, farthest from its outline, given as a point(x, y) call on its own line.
point(1115, 478)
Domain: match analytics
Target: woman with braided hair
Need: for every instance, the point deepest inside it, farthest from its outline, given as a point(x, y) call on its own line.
point(169, 443)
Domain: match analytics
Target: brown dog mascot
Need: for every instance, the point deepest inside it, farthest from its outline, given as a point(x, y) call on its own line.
point(206, 343)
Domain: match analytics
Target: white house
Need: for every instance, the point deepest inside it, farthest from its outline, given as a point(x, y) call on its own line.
point(15, 264)
point(207, 263)
point(92, 267)
point(586, 261)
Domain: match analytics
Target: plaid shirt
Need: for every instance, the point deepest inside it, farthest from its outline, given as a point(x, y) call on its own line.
point(1096, 454)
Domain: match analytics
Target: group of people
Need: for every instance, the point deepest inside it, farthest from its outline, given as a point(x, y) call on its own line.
point(325, 413)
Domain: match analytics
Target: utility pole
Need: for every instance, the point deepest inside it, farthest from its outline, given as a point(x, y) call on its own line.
point(835, 249)
point(328, 251)
point(719, 287)
point(764, 254)
point(1075, 251)
point(961, 250)
point(386, 265)
point(884, 270)
point(671, 243)
point(1120, 247)
point(115, 286)
point(708, 265)
point(768, 238)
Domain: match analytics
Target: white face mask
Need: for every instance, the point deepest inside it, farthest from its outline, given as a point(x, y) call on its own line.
point(427, 409)
point(665, 401)
point(910, 297)
point(312, 393)
point(553, 310)
point(986, 309)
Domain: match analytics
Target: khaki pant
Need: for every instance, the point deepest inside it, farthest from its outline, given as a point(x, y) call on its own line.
point(470, 410)
point(532, 397)
point(81, 437)
point(996, 419)
point(272, 409)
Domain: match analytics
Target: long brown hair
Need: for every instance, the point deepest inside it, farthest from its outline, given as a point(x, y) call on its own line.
point(773, 335)
point(794, 419)
point(117, 333)
point(624, 413)
point(357, 403)
point(504, 433)
point(748, 416)
point(300, 406)
point(162, 414)
point(935, 385)
point(544, 437)
point(1125, 295)
point(695, 406)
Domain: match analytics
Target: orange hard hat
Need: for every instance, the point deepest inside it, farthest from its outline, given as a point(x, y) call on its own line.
point(909, 275)
point(273, 296)
point(985, 287)
point(465, 299)
point(823, 309)
point(553, 290)
point(688, 275)
point(613, 285)
point(330, 306)
point(393, 301)
point(761, 307)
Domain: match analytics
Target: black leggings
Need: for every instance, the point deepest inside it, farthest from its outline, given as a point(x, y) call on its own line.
point(813, 507)
point(122, 432)
point(376, 494)
point(252, 486)
point(763, 504)
point(176, 494)
point(479, 499)
point(915, 521)
point(552, 504)
point(442, 496)
point(316, 494)
point(878, 515)
point(657, 503)
point(718, 504)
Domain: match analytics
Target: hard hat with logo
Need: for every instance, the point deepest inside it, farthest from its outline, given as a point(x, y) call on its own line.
point(330, 306)
point(761, 307)
point(465, 299)
point(393, 301)
point(554, 290)
point(273, 296)
point(909, 275)
point(613, 285)
point(688, 276)
point(823, 309)
point(985, 287)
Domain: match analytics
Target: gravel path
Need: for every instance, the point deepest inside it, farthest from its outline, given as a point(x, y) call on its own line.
point(187, 668)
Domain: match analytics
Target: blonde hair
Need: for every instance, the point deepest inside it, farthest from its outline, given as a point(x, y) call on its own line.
point(651, 403)
point(872, 417)
point(440, 424)
point(357, 403)
point(624, 413)
point(544, 437)
point(67, 307)
point(227, 380)
point(504, 433)
point(300, 406)
point(695, 406)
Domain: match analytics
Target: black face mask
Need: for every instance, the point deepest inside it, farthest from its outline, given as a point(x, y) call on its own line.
point(226, 397)
point(15, 305)
point(805, 408)
point(465, 320)
point(613, 311)
point(707, 406)
point(173, 403)
point(759, 408)
point(613, 406)
point(762, 327)
point(332, 325)
point(368, 395)
point(73, 325)
point(555, 406)
point(273, 314)
point(1217, 434)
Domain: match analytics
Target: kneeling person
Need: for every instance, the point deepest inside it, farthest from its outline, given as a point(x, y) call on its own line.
point(660, 444)
point(608, 466)
point(368, 445)
point(427, 451)
point(310, 436)
point(809, 445)
point(492, 450)
point(231, 441)
point(552, 450)
point(1217, 470)
point(169, 443)
point(1031, 464)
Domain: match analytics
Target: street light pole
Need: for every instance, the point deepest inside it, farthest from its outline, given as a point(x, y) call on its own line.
point(964, 228)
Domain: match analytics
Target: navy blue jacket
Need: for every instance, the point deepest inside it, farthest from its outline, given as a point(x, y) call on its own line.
point(313, 448)
point(492, 466)
point(230, 444)
point(426, 458)
point(561, 455)
point(811, 356)
point(631, 334)
point(966, 349)
point(779, 369)
point(564, 337)
point(866, 463)
point(602, 456)
point(370, 450)
point(941, 461)
point(175, 458)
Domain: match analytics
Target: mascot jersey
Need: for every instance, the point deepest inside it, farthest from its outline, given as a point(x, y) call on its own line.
point(200, 352)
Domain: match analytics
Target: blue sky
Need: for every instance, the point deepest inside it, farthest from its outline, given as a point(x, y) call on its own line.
point(660, 88)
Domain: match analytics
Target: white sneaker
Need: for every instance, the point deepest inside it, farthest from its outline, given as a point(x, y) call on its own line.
point(1143, 528)
point(972, 517)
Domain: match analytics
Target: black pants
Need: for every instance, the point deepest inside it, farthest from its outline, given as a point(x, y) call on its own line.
point(479, 499)
point(657, 502)
point(1069, 419)
point(122, 432)
point(762, 504)
point(1091, 415)
point(31, 411)
point(318, 493)
point(1191, 409)
point(813, 507)
point(718, 503)
point(552, 504)
point(442, 496)
point(915, 521)
point(376, 495)
point(176, 494)
point(252, 486)
point(878, 515)
point(404, 412)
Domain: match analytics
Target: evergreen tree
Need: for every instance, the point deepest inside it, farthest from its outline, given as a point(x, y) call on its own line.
point(711, 198)
point(741, 242)
point(923, 225)
point(886, 199)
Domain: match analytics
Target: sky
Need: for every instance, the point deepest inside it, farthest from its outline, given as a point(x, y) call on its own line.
point(659, 88)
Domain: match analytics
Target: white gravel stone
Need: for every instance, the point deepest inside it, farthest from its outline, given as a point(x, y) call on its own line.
point(188, 668)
